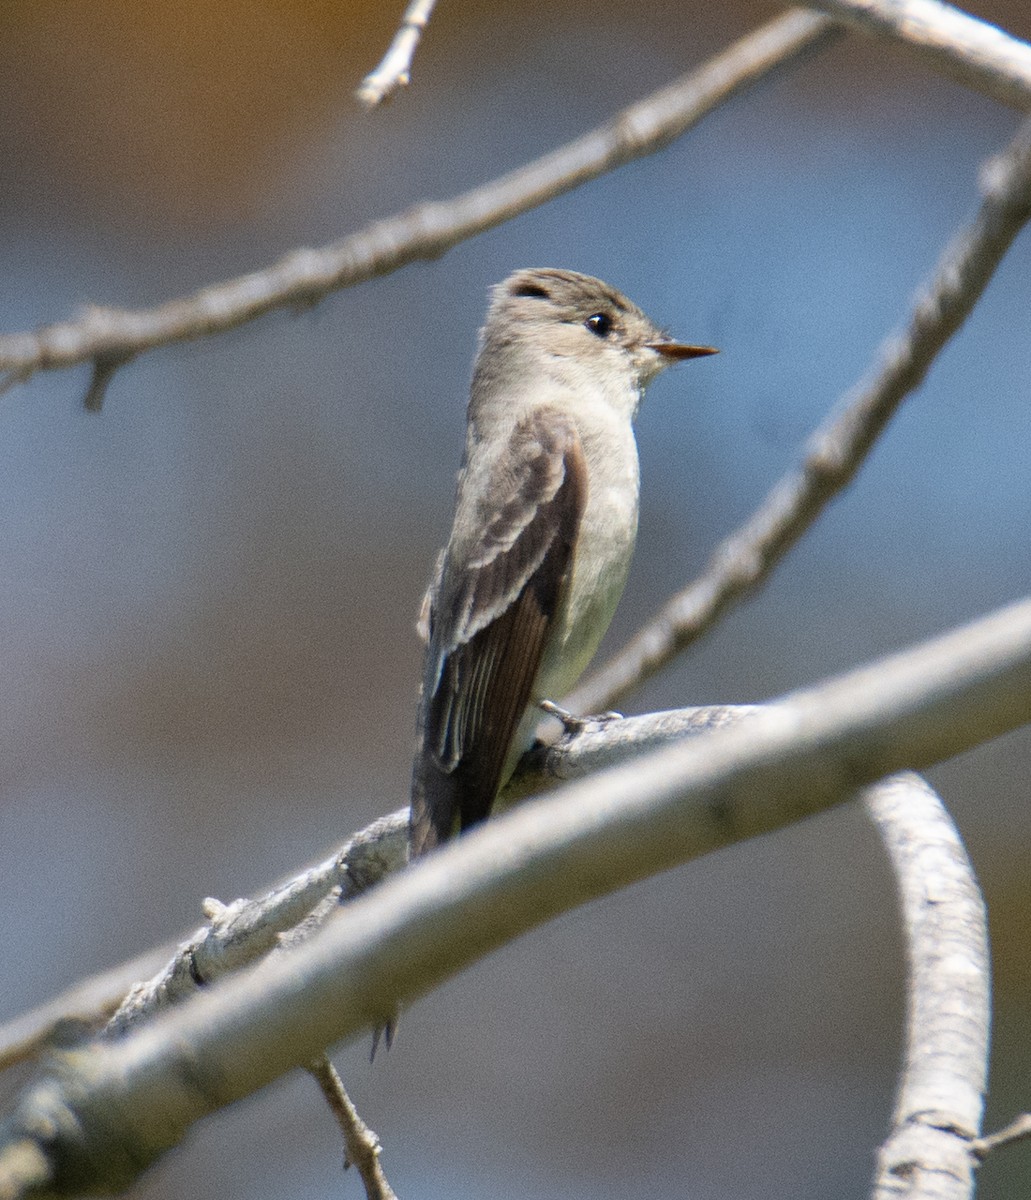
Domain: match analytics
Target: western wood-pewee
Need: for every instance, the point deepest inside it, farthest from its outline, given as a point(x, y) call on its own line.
point(544, 529)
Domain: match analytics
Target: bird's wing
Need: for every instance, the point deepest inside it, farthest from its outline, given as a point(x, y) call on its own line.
point(490, 614)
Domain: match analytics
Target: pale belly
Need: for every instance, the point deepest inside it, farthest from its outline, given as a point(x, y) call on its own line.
point(600, 568)
point(605, 547)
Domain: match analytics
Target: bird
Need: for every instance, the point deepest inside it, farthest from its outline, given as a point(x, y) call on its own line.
point(543, 533)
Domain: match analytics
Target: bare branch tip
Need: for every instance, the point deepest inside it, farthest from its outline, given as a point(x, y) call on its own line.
point(375, 90)
point(394, 72)
point(368, 94)
point(104, 368)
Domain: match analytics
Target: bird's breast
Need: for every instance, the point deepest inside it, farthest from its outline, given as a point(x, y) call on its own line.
point(601, 557)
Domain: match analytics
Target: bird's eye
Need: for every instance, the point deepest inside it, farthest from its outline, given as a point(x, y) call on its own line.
point(600, 324)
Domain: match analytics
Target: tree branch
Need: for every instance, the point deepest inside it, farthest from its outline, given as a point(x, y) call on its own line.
point(108, 337)
point(394, 72)
point(940, 1101)
point(1018, 1130)
point(244, 931)
point(84, 1007)
point(108, 1110)
point(303, 277)
point(362, 1146)
point(836, 451)
point(967, 50)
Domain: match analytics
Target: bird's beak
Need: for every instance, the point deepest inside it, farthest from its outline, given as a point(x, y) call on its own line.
point(677, 351)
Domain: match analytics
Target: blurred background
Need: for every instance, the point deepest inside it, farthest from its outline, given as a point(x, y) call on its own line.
point(208, 663)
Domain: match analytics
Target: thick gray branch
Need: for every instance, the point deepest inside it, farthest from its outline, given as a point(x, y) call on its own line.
point(244, 931)
point(929, 1153)
point(836, 451)
point(603, 743)
point(110, 1109)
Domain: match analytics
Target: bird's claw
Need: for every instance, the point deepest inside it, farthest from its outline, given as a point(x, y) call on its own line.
point(385, 1032)
point(572, 724)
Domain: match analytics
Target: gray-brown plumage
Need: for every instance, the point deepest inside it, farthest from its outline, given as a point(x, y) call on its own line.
point(544, 528)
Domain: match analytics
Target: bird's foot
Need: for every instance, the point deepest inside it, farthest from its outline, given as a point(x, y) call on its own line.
point(385, 1032)
point(572, 724)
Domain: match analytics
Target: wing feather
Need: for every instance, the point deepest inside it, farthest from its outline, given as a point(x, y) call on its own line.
point(490, 615)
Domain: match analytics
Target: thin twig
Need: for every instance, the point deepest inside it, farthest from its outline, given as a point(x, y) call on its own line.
point(394, 72)
point(1018, 1130)
point(361, 1145)
point(109, 1110)
point(104, 368)
point(839, 447)
point(426, 231)
point(940, 1098)
point(968, 50)
point(305, 276)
